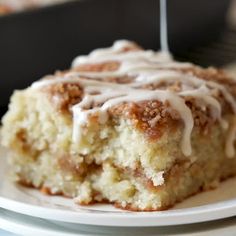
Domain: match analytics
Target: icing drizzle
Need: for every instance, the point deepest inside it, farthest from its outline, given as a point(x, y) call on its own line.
point(146, 68)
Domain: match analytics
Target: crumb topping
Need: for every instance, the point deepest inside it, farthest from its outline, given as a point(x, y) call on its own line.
point(152, 88)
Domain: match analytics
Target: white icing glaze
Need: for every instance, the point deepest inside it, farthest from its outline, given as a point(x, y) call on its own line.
point(143, 68)
point(163, 26)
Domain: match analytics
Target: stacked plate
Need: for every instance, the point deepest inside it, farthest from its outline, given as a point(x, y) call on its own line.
point(26, 211)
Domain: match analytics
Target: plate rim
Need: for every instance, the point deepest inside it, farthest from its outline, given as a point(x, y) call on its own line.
point(26, 225)
point(219, 210)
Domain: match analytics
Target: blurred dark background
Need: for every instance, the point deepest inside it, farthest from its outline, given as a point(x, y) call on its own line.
point(39, 41)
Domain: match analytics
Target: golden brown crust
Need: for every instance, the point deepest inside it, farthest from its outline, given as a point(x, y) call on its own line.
point(108, 65)
point(64, 95)
point(150, 117)
point(98, 67)
point(143, 114)
point(153, 118)
point(213, 74)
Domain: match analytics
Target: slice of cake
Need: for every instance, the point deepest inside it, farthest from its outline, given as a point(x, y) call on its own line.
point(126, 126)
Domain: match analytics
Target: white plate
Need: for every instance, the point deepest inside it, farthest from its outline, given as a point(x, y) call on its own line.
point(27, 225)
point(207, 206)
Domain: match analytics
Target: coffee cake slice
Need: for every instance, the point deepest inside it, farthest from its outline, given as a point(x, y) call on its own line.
point(126, 126)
